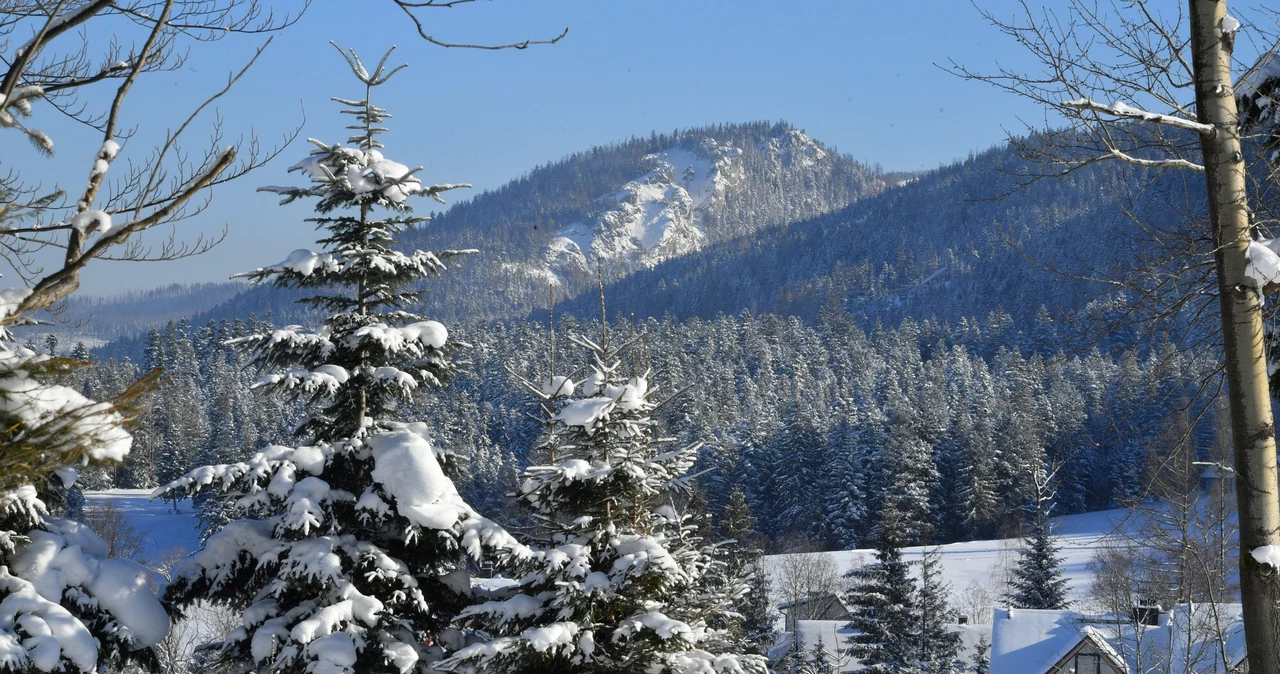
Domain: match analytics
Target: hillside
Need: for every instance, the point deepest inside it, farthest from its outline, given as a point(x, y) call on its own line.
point(631, 205)
point(763, 218)
point(937, 246)
point(96, 319)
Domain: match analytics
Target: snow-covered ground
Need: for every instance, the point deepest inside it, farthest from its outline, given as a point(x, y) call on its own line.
point(978, 567)
point(167, 529)
point(970, 568)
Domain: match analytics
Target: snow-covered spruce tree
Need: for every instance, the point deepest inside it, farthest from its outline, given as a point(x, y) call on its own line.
point(64, 606)
point(938, 645)
point(821, 660)
point(981, 662)
point(347, 554)
point(902, 625)
point(754, 627)
point(882, 600)
point(1038, 581)
point(622, 582)
point(1037, 577)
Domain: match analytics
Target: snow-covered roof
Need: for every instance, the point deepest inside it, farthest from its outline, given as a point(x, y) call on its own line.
point(833, 633)
point(824, 597)
point(834, 636)
point(1027, 641)
point(1206, 638)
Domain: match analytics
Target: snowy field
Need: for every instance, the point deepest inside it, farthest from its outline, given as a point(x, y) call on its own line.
point(167, 530)
point(978, 567)
point(969, 568)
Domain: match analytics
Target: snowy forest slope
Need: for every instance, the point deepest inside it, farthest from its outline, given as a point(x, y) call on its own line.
point(762, 218)
point(632, 205)
point(937, 247)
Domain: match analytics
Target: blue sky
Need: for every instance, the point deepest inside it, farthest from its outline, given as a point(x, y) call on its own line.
point(857, 75)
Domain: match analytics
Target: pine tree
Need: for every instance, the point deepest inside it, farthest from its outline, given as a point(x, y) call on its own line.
point(981, 656)
point(938, 644)
point(821, 660)
point(793, 661)
point(623, 582)
point(908, 469)
point(64, 606)
point(882, 600)
point(754, 630)
point(347, 555)
point(844, 482)
point(1038, 581)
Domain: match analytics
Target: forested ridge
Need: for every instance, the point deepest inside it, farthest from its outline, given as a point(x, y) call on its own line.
point(817, 420)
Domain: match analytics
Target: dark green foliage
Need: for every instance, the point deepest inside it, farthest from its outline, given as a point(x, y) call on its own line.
point(882, 598)
point(1038, 581)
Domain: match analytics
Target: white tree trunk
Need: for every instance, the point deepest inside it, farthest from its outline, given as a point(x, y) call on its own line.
point(1249, 397)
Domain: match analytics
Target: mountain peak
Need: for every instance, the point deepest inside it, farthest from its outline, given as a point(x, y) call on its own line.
point(635, 205)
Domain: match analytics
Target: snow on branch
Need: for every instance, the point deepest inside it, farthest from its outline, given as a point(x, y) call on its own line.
point(1126, 111)
point(66, 280)
point(1155, 163)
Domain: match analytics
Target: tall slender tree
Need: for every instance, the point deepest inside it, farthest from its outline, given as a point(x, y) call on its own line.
point(347, 553)
point(753, 628)
point(1038, 580)
point(1163, 97)
point(882, 599)
point(937, 644)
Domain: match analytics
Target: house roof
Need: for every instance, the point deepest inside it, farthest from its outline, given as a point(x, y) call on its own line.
point(1194, 638)
point(1027, 641)
point(832, 597)
point(834, 634)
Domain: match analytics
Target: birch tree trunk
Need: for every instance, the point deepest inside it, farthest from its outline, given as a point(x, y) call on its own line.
point(1250, 403)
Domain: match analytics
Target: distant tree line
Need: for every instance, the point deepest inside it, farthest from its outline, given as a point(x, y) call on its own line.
point(816, 422)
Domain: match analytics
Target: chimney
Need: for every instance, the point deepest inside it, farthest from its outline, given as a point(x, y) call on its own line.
point(1146, 615)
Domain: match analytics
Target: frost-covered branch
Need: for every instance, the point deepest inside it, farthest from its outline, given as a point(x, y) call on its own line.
point(110, 148)
point(60, 284)
point(1125, 111)
point(1154, 163)
point(165, 188)
point(1145, 66)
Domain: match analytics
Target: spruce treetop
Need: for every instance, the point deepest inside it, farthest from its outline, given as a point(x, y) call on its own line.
point(371, 351)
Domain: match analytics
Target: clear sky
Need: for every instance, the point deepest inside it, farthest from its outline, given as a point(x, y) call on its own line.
point(860, 76)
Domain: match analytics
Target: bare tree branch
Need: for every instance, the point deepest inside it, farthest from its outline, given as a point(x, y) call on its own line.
point(408, 6)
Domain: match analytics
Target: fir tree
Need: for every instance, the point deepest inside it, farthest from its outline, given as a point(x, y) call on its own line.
point(1038, 581)
point(793, 661)
point(938, 645)
point(754, 629)
point(66, 607)
point(882, 600)
point(981, 656)
point(346, 557)
point(845, 481)
point(821, 660)
point(623, 582)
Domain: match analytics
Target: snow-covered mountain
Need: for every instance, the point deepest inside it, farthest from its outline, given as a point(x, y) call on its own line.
point(660, 215)
point(933, 245)
point(628, 207)
point(679, 204)
point(762, 217)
